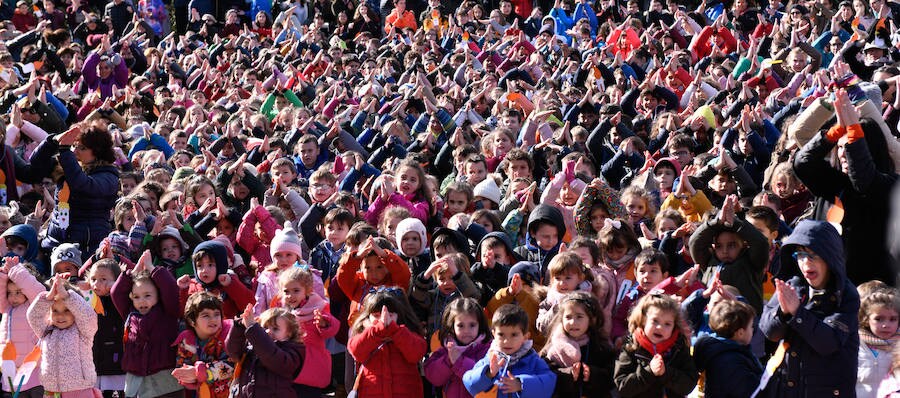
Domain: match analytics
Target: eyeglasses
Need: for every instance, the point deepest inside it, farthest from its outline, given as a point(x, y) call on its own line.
point(801, 255)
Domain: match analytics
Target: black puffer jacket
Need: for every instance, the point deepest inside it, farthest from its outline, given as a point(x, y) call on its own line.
point(731, 369)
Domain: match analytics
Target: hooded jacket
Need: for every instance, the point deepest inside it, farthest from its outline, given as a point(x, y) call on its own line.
point(490, 280)
point(731, 369)
point(823, 333)
point(531, 251)
point(420, 261)
point(27, 233)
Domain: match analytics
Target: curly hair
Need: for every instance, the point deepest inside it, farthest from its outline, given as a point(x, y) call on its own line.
point(96, 138)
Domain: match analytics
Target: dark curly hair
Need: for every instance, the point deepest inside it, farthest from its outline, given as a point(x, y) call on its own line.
point(95, 137)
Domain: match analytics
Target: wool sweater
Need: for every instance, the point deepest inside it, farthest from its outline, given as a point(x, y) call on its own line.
point(67, 359)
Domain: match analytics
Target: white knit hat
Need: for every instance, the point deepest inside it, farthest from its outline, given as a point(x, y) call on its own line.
point(488, 189)
point(286, 240)
point(412, 225)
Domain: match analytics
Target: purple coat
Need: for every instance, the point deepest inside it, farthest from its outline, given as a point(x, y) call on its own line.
point(118, 78)
point(269, 368)
point(441, 373)
point(148, 338)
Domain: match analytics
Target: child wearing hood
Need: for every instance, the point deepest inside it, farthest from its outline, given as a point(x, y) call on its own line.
point(210, 260)
point(563, 192)
point(22, 241)
point(546, 230)
point(18, 289)
point(816, 315)
point(412, 243)
point(169, 244)
point(285, 252)
point(496, 256)
point(444, 281)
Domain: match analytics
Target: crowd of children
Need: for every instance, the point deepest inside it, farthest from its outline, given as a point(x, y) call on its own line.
point(463, 198)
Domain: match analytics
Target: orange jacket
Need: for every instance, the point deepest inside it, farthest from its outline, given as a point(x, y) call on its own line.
point(351, 281)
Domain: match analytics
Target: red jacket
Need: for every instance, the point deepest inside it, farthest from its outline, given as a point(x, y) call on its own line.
point(235, 299)
point(393, 370)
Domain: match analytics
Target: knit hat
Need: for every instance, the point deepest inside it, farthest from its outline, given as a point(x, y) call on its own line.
point(170, 232)
point(529, 271)
point(219, 253)
point(672, 162)
point(412, 225)
point(488, 189)
point(66, 252)
point(286, 240)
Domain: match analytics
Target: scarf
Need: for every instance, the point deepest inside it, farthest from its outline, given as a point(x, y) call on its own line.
point(513, 358)
point(307, 310)
point(617, 264)
point(877, 343)
point(565, 350)
point(661, 348)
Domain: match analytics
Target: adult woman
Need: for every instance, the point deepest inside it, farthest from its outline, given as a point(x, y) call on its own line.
point(86, 190)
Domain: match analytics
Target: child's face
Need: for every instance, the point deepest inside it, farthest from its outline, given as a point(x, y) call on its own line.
point(585, 255)
point(444, 250)
point(14, 294)
point(665, 177)
point(665, 225)
point(502, 145)
point(761, 226)
point(636, 208)
point(813, 268)
point(722, 185)
point(728, 246)
point(575, 320)
point(883, 322)
point(294, 294)
point(170, 248)
point(598, 216)
point(205, 192)
point(224, 227)
point(390, 227)
point(475, 173)
point(445, 283)
point(320, 189)
point(616, 252)
point(127, 185)
point(546, 236)
point(486, 223)
point(659, 325)
point(567, 195)
point(206, 270)
point(457, 202)
point(336, 233)
point(278, 330)
point(567, 281)
point(409, 181)
point(465, 328)
point(144, 296)
point(411, 243)
point(65, 266)
point(284, 174)
point(518, 168)
point(373, 270)
point(491, 255)
point(61, 317)
point(308, 153)
point(285, 259)
point(4, 222)
point(510, 338)
point(649, 275)
point(101, 281)
point(208, 323)
point(238, 189)
point(16, 248)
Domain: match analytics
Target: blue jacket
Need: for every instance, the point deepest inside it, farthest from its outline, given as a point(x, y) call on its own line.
point(731, 369)
point(27, 233)
point(822, 358)
point(537, 379)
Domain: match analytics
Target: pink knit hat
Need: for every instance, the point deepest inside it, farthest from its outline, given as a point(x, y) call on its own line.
point(286, 240)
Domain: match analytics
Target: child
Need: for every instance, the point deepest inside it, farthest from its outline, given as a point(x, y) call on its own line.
point(638, 206)
point(766, 221)
point(459, 196)
point(665, 172)
point(65, 258)
point(409, 191)
point(464, 335)
point(326, 255)
point(815, 315)
point(567, 275)
point(578, 350)
point(203, 364)
point(271, 353)
point(619, 246)
point(650, 268)
point(169, 247)
point(697, 305)
point(734, 249)
point(546, 230)
point(597, 202)
point(108, 350)
point(387, 342)
point(496, 256)
point(66, 324)
point(656, 359)
point(523, 289)
point(256, 235)
point(445, 281)
point(412, 244)
point(563, 192)
point(390, 219)
point(878, 318)
point(369, 267)
point(22, 240)
point(210, 260)
point(731, 368)
point(511, 367)
point(689, 202)
point(147, 297)
point(18, 289)
point(317, 325)
point(285, 251)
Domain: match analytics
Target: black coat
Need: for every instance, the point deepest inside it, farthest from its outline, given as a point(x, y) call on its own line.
point(634, 379)
point(600, 359)
point(108, 340)
point(731, 369)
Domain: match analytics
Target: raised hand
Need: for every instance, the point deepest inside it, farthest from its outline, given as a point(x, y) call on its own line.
point(510, 384)
point(247, 318)
point(516, 285)
point(496, 362)
point(144, 263)
point(185, 374)
point(320, 320)
point(688, 276)
point(68, 138)
point(184, 282)
point(788, 300)
point(657, 365)
point(224, 279)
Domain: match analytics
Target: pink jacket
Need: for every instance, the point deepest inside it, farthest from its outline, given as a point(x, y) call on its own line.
point(14, 325)
point(247, 239)
point(551, 197)
point(67, 359)
point(417, 208)
point(316, 370)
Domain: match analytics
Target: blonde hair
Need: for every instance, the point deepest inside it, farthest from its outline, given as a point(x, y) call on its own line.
point(297, 274)
point(663, 303)
point(270, 316)
point(567, 261)
point(882, 298)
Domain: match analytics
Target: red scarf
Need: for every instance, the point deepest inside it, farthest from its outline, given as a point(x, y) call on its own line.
point(661, 348)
